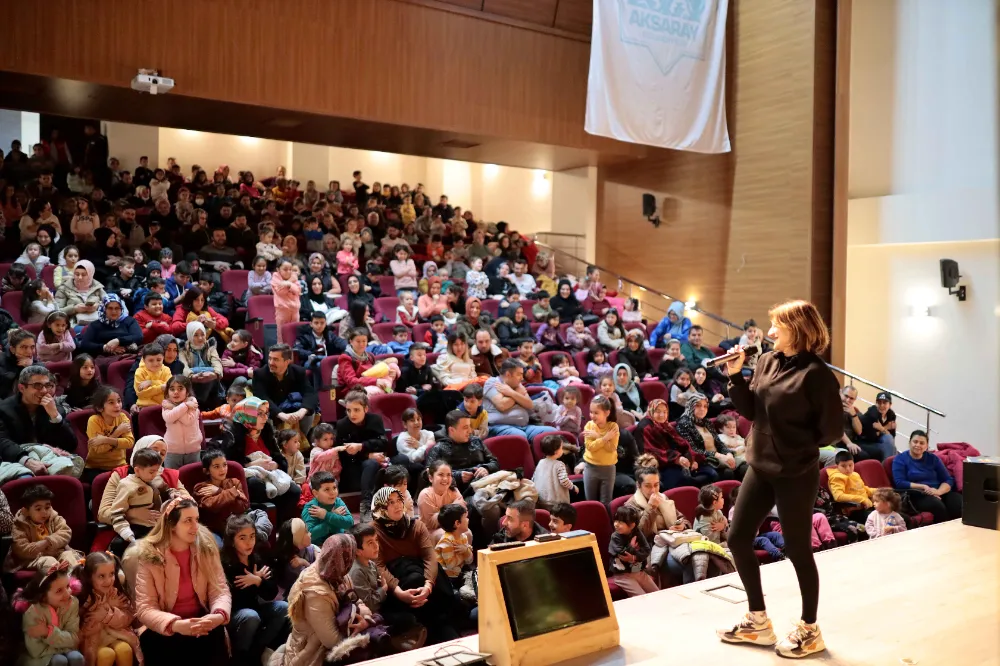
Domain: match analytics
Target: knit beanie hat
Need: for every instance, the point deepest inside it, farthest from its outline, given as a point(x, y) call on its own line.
point(246, 411)
point(154, 266)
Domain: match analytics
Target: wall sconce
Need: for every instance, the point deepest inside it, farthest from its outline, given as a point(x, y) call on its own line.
point(920, 311)
point(491, 170)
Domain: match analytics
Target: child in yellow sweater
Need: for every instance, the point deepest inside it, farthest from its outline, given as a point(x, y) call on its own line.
point(600, 437)
point(846, 485)
point(151, 376)
point(109, 434)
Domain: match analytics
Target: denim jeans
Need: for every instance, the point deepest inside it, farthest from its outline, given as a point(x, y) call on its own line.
point(529, 431)
point(253, 630)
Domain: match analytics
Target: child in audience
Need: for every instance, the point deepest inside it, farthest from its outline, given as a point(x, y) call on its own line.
point(709, 519)
point(629, 551)
point(286, 290)
point(293, 551)
point(151, 376)
point(885, 519)
point(416, 377)
point(773, 543)
point(135, 491)
point(551, 478)
point(181, 416)
point(403, 269)
point(578, 336)
point(240, 357)
point(472, 404)
point(564, 371)
point(682, 382)
point(52, 622)
point(83, 383)
point(562, 517)
point(396, 476)
point(631, 313)
point(64, 271)
point(266, 247)
point(167, 265)
point(373, 582)
point(254, 589)
point(219, 496)
point(347, 260)
point(598, 367)
point(414, 442)
point(542, 310)
point(109, 434)
point(288, 444)
point(126, 283)
point(322, 439)
point(532, 368)
point(548, 337)
point(407, 313)
point(727, 426)
point(236, 393)
point(325, 514)
point(476, 281)
point(453, 549)
point(55, 343)
point(400, 343)
point(37, 303)
point(40, 535)
point(259, 279)
point(16, 279)
point(569, 416)
point(437, 336)
point(600, 456)
point(672, 361)
point(846, 485)
point(107, 614)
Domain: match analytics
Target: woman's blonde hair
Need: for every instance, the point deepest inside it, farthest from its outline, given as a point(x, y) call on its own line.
point(804, 324)
point(159, 536)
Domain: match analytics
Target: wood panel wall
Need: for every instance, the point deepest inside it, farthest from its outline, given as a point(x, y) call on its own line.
point(750, 229)
point(379, 60)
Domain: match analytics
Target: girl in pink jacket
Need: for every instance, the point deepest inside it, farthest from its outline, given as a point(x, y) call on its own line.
point(182, 416)
point(287, 291)
point(181, 594)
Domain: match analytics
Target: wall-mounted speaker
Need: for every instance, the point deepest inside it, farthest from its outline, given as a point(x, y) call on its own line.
point(648, 205)
point(949, 273)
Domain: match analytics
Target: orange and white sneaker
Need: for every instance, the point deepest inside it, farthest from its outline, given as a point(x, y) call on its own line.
point(803, 641)
point(749, 630)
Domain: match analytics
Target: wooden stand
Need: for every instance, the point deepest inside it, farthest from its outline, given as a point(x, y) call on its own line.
point(495, 635)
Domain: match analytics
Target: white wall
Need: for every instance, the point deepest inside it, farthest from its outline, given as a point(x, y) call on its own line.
point(130, 142)
point(22, 126)
point(521, 197)
point(241, 153)
point(574, 205)
point(923, 187)
point(375, 166)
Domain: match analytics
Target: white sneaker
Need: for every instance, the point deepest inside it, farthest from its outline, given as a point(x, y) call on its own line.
point(801, 642)
point(748, 630)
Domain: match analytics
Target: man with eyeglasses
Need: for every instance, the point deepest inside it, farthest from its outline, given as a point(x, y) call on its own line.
point(31, 416)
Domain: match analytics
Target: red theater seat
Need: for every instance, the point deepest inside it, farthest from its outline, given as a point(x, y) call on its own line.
point(512, 451)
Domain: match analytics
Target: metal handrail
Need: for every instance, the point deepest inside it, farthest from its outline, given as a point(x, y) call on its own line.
point(739, 327)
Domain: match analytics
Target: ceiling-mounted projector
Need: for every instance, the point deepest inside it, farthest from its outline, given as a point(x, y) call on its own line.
point(150, 81)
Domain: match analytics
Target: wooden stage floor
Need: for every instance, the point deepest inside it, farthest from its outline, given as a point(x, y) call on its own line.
point(930, 596)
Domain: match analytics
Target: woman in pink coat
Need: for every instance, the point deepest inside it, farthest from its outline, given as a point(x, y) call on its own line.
point(181, 593)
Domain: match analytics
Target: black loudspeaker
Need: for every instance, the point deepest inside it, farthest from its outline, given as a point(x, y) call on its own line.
point(981, 494)
point(949, 273)
point(649, 205)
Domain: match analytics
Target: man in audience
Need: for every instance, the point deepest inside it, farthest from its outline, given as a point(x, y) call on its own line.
point(675, 326)
point(444, 210)
point(217, 253)
point(31, 416)
point(44, 190)
point(242, 238)
point(163, 214)
point(467, 456)
point(880, 425)
point(488, 356)
point(224, 217)
point(151, 319)
point(853, 426)
point(95, 155)
point(695, 354)
point(508, 404)
point(291, 395)
point(518, 524)
point(521, 278)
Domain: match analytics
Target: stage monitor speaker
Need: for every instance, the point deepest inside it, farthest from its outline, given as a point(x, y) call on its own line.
point(981, 492)
point(648, 205)
point(949, 273)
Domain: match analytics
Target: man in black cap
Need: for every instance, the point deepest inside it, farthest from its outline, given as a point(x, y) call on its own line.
point(879, 426)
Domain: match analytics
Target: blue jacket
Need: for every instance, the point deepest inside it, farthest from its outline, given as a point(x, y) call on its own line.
point(97, 334)
point(929, 471)
point(677, 331)
point(173, 291)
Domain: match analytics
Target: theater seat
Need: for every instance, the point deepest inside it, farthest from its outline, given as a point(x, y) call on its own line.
point(390, 406)
point(118, 373)
point(78, 421)
point(68, 502)
point(653, 390)
point(618, 503)
point(593, 517)
point(384, 331)
point(512, 451)
point(328, 407)
point(11, 302)
point(385, 310)
point(260, 313)
point(536, 442)
point(686, 499)
point(104, 535)
point(545, 359)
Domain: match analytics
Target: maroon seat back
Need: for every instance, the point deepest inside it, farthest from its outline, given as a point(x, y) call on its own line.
point(873, 474)
point(536, 443)
point(235, 282)
point(328, 407)
point(118, 373)
point(385, 309)
point(193, 473)
point(618, 503)
point(512, 451)
point(586, 394)
point(654, 390)
point(593, 517)
point(11, 302)
point(686, 499)
point(78, 420)
point(68, 502)
point(384, 331)
point(390, 406)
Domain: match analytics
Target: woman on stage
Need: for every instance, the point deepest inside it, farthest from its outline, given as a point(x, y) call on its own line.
point(794, 402)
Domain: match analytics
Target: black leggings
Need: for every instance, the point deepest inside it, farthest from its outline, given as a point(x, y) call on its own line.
point(795, 497)
point(160, 650)
point(943, 508)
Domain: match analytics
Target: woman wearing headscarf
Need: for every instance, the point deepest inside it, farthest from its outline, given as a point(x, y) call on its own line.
point(167, 482)
point(80, 297)
point(114, 333)
point(203, 365)
point(330, 623)
point(356, 293)
point(693, 425)
point(678, 463)
point(565, 303)
point(104, 253)
point(474, 320)
point(634, 353)
point(515, 329)
point(407, 553)
point(49, 243)
point(433, 302)
point(628, 390)
point(316, 298)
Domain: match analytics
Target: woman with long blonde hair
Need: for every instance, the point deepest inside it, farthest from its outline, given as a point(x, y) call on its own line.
point(181, 593)
point(794, 403)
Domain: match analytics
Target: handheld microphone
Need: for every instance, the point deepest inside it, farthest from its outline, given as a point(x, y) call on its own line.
point(750, 351)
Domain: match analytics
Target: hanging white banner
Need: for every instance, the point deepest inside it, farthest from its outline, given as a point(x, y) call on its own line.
point(658, 73)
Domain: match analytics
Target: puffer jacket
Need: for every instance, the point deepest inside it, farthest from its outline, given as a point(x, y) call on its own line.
point(67, 298)
point(157, 580)
point(183, 428)
point(511, 333)
point(210, 354)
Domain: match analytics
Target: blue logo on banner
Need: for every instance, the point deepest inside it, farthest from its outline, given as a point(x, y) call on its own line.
point(670, 29)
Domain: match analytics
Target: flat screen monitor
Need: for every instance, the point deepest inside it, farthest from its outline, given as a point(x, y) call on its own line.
point(552, 592)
